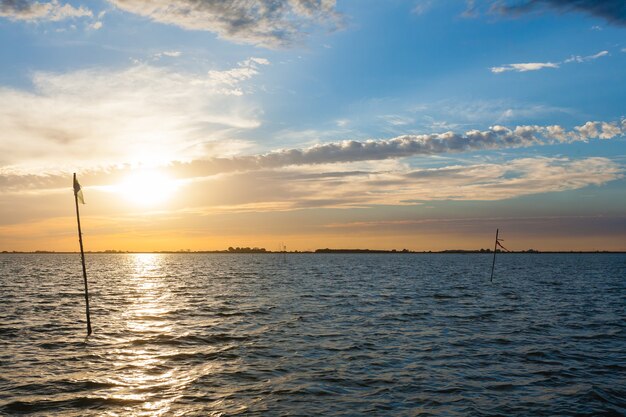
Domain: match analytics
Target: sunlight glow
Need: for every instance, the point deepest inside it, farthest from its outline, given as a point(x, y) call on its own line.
point(147, 188)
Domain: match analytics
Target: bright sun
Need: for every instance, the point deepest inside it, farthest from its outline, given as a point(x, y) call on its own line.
point(147, 188)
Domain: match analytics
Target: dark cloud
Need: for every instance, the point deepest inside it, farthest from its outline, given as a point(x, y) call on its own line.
point(15, 7)
point(269, 23)
point(34, 10)
point(613, 11)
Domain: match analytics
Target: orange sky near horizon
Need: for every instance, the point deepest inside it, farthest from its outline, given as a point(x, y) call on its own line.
point(142, 218)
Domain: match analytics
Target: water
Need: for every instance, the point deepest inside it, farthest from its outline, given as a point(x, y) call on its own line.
point(359, 334)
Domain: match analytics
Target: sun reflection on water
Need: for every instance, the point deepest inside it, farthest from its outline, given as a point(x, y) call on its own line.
point(142, 373)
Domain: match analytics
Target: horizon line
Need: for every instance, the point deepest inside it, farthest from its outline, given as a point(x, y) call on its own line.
point(315, 251)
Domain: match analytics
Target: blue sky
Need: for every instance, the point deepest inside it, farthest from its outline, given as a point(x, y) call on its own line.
point(354, 115)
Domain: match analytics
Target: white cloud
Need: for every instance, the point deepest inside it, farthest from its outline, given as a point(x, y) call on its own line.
point(35, 11)
point(141, 113)
point(580, 59)
point(96, 25)
point(601, 130)
point(269, 23)
point(536, 66)
point(171, 54)
point(524, 67)
point(232, 78)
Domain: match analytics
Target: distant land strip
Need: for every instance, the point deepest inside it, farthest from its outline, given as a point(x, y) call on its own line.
point(326, 250)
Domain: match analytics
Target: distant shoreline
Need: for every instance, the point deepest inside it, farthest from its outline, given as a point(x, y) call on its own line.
point(317, 251)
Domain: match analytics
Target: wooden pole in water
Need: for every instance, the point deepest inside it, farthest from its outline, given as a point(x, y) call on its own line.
point(82, 254)
point(495, 248)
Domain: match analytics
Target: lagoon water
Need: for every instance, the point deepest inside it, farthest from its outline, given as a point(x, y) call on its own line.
point(314, 334)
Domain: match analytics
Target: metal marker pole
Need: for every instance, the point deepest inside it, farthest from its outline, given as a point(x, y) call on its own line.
point(495, 248)
point(82, 256)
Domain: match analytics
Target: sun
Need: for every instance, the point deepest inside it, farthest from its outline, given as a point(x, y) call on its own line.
point(147, 188)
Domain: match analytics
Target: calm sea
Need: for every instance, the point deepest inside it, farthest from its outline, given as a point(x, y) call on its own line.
point(383, 335)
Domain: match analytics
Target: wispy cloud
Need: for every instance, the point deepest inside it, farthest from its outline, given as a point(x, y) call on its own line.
point(108, 117)
point(524, 67)
point(170, 54)
point(578, 58)
point(305, 187)
point(454, 114)
point(536, 66)
point(269, 23)
point(396, 119)
point(471, 9)
point(297, 188)
point(41, 11)
point(96, 25)
point(421, 7)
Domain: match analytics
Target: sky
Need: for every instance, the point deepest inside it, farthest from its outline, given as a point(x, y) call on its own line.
point(417, 124)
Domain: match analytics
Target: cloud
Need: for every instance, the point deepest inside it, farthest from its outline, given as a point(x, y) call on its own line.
point(529, 66)
point(101, 117)
point(37, 11)
point(304, 187)
point(613, 11)
point(471, 9)
point(601, 130)
point(497, 137)
point(348, 173)
point(172, 53)
point(298, 187)
point(230, 79)
point(455, 115)
point(268, 23)
point(323, 155)
point(580, 59)
point(535, 66)
point(422, 6)
point(396, 120)
point(515, 178)
point(343, 174)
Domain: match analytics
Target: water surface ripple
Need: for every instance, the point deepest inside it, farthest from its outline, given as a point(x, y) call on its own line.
point(323, 334)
